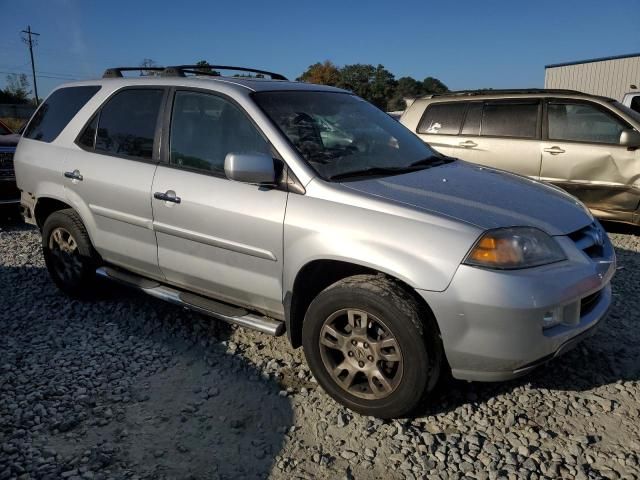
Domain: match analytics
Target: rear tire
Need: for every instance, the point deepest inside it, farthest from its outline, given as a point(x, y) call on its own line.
point(372, 346)
point(68, 253)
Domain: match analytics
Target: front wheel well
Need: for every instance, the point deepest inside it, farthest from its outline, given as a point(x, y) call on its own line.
point(314, 277)
point(45, 207)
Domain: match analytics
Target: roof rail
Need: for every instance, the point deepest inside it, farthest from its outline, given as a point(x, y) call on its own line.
point(116, 72)
point(498, 91)
point(180, 70)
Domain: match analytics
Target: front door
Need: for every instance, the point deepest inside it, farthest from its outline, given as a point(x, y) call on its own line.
point(216, 236)
point(583, 155)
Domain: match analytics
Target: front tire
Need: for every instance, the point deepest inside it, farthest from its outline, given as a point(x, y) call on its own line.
point(68, 253)
point(371, 346)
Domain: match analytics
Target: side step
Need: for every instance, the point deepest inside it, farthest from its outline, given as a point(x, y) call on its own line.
point(197, 303)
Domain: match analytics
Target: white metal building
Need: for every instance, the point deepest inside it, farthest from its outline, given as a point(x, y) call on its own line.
point(608, 76)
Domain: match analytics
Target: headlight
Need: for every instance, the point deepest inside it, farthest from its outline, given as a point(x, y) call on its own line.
point(516, 247)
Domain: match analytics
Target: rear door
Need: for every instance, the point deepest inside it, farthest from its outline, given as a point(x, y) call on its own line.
point(440, 127)
point(582, 154)
point(112, 172)
point(506, 135)
point(221, 238)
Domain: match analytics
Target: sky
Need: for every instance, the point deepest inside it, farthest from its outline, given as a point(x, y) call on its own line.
point(466, 44)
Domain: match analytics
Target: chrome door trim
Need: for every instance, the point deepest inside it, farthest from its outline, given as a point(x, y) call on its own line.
point(214, 241)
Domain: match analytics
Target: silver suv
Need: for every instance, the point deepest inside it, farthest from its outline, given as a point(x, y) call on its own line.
point(284, 206)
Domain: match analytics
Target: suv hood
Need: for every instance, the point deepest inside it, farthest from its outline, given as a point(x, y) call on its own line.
point(482, 196)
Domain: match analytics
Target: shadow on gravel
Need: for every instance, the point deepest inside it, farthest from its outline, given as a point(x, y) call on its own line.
point(609, 356)
point(125, 386)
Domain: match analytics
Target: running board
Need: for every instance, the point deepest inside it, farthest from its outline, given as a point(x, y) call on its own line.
point(197, 303)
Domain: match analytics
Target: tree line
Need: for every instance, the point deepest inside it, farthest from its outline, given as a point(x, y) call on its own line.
point(17, 90)
point(375, 84)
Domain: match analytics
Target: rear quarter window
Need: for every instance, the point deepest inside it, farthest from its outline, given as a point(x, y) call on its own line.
point(442, 119)
point(58, 110)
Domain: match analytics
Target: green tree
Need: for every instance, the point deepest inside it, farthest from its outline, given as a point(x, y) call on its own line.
point(325, 73)
point(205, 67)
point(374, 84)
point(407, 87)
point(17, 89)
point(433, 85)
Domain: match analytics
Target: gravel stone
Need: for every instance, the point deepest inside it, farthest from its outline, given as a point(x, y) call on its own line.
point(128, 387)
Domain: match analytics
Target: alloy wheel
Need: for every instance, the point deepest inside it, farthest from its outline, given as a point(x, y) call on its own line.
point(361, 354)
point(65, 256)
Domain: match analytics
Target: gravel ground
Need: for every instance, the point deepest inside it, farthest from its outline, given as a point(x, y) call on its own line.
point(129, 387)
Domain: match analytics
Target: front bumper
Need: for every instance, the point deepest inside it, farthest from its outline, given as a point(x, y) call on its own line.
point(9, 193)
point(491, 321)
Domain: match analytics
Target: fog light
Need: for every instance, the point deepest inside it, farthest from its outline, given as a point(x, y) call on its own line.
point(552, 318)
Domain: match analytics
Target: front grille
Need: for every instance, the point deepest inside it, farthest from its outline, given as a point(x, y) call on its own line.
point(589, 302)
point(6, 160)
point(6, 166)
point(590, 240)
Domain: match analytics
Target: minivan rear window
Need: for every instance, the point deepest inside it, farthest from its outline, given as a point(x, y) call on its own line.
point(54, 114)
point(442, 118)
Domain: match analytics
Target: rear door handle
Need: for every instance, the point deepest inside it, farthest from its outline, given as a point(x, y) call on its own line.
point(75, 175)
point(554, 150)
point(168, 196)
point(468, 144)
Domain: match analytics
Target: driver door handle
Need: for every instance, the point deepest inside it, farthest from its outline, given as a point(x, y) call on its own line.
point(554, 150)
point(168, 196)
point(75, 175)
point(468, 144)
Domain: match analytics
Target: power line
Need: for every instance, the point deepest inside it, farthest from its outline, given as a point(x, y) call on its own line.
point(30, 41)
point(41, 75)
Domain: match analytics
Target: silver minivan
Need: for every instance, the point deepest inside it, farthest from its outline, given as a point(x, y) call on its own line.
point(287, 207)
point(585, 144)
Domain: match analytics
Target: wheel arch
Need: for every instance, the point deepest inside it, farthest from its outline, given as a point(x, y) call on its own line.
point(317, 275)
point(45, 206)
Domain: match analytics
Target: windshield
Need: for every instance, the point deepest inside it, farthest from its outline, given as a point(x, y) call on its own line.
point(4, 130)
point(339, 133)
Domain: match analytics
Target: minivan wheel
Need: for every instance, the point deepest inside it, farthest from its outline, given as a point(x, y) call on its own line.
point(371, 346)
point(68, 253)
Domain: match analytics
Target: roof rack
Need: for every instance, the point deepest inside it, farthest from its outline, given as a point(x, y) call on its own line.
point(503, 92)
point(116, 72)
point(182, 70)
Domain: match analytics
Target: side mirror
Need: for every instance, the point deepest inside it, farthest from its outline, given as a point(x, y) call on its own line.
point(630, 138)
point(255, 168)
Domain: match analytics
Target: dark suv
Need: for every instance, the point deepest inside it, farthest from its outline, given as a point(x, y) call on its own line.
point(9, 193)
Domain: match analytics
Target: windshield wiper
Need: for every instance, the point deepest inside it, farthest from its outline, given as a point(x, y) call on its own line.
point(432, 161)
point(365, 172)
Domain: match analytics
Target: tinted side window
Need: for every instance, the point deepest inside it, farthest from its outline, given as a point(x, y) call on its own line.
point(510, 120)
point(54, 114)
point(635, 103)
point(87, 138)
point(127, 123)
point(204, 128)
point(442, 118)
point(583, 123)
point(472, 120)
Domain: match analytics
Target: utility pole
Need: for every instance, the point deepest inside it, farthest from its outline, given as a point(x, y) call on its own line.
point(30, 41)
